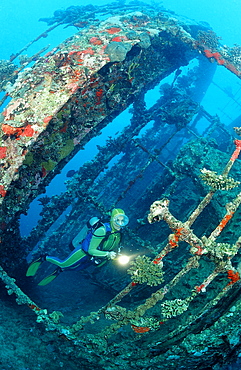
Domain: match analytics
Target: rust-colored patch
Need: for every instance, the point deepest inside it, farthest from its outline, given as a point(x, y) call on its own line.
point(140, 329)
point(225, 220)
point(47, 119)
point(233, 276)
point(119, 38)
point(95, 41)
point(3, 150)
point(34, 307)
point(113, 30)
point(18, 131)
point(27, 131)
point(3, 192)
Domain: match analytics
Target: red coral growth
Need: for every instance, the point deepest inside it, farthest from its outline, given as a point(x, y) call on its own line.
point(178, 232)
point(9, 130)
point(74, 52)
point(172, 243)
point(173, 238)
point(3, 150)
point(221, 62)
point(233, 276)
point(103, 48)
point(199, 249)
point(225, 220)
point(238, 144)
point(99, 94)
point(18, 131)
point(47, 119)
point(209, 53)
point(199, 288)
point(219, 59)
point(217, 56)
point(34, 307)
point(88, 51)
point(113, 30)
point(73, 86)
point(119, 38)
point(44, 172)
point(140, 329)
point(237, 150)
point(27, 131)
point(3, 192)
point(95, 41)
point(157, 260)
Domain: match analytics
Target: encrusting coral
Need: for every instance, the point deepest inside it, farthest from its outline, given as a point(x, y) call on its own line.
point(219, 250)
point(143, 270)
point(175, 307)
point(218, 182)
point(145, 324)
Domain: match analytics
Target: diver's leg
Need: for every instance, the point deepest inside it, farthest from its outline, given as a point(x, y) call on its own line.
point(81, 264)
point(72, 259)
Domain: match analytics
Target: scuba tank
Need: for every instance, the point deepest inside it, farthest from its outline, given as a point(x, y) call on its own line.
point(91, 224)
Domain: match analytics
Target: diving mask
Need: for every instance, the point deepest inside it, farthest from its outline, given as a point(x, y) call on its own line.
point(120, 220)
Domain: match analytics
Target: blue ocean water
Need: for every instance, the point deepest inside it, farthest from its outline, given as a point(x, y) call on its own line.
point(19, 21)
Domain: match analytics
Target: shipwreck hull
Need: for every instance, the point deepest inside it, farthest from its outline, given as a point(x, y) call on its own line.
point(57, 106)
point(70, 94)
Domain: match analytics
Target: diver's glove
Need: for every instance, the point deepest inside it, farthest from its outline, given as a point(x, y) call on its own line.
point(111, 255)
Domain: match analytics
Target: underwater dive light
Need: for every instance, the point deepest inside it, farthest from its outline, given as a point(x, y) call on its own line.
point(123, 259)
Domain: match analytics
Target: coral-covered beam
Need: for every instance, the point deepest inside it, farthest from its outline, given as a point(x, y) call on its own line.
point(223, 59)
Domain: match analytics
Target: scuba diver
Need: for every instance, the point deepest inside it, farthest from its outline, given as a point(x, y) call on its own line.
point(95, 248)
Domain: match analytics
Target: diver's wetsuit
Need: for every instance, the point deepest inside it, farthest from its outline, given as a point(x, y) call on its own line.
point(104, 239)
point(79, 260)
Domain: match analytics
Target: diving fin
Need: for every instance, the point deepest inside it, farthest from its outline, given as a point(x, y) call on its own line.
point(33, 267)
point(50, 277)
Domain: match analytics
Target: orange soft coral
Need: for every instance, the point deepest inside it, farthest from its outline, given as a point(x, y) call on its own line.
point(113, 30)
point(3, 150)
point(233, 276)
point(3, 192)
point(140, 329)
point(18, 131)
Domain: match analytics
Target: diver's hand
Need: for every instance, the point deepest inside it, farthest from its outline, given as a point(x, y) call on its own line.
point(111, 255)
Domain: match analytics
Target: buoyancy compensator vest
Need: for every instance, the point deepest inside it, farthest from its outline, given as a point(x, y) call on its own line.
point(92, 227)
